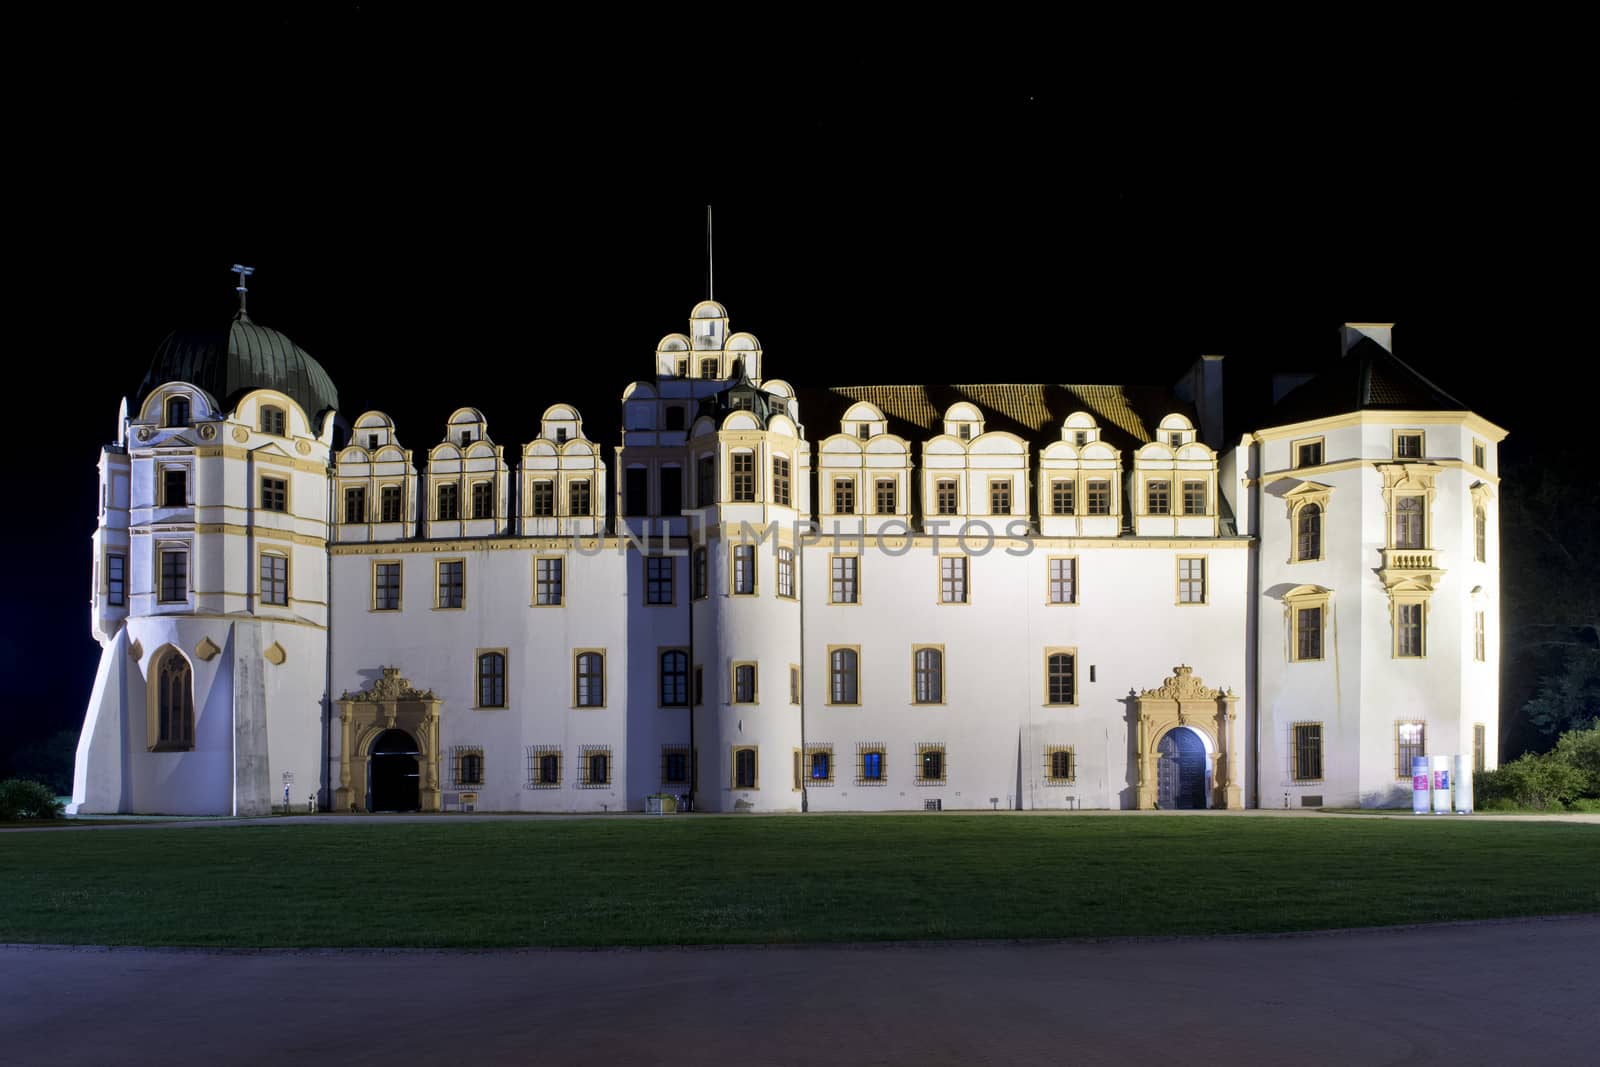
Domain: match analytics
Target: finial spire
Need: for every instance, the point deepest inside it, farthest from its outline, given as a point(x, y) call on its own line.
point(711, 263)
point(243, 288)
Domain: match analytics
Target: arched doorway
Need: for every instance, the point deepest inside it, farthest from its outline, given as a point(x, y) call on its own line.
point(1181, 770)
point(394, 778)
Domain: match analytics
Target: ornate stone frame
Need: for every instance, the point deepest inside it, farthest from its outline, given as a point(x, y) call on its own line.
point(391, 703)
point(1183, 700)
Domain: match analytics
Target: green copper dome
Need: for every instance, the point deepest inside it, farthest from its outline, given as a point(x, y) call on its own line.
point(230, 362)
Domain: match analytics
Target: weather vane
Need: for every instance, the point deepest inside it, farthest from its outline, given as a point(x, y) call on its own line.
point(244, 273)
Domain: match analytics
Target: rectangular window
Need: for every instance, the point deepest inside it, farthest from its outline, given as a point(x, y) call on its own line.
point(448, 498)
point(953, 580)
point(1408, 446)
point(1061, 676)
point(355, 504)
point(1308, 453)
point(174, 575)
point(744, 570)
point(944, 495)
point(1000, 496)
point(705, 481)
point(274, 579)
point(701, 565)
point(780, 481)
point(1307, 752)
point(386, 587)
point(492, 680)
point(635, 491)
point(886, 495)
point(671, 490)
point(844, 588)
point(1061, 494)
point(578, 498)
point(1478, 649)
point(869, 765)
point(272, 421)
point(594, 768)
point(1480, 533)
point(744, 683)
point(786, 572)
point(708, 367)
point(1478, 739)
point(1061, 766)
point(844, 496)
point(174, 487)
point(483, 500)
point(1098, 497)
point(1308, 633)
point(544, 767)
point(116, 580)
point(699, 685)
point(674, 765)
point(547, 581)
point(1194, 498)
point(744, 476)
point(819, 766)
point(1191, 580)
point(1479, 456)
point(1158, 498)
point(794, 684)
point(930, 764)
point(927, 675)
point(1063, 581)
point(1409, 528)
point(674, 678)
point(542, 498)
point(1410, 741)
point(274, 494)
point(389, 503)
point(1409, 632)
point(843, 666)
point(658, 579)
point(589, 679)
point(452, 584)
point(468, 766)
point(744, 769)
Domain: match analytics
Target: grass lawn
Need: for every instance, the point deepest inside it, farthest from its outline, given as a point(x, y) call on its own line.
point(818, 878)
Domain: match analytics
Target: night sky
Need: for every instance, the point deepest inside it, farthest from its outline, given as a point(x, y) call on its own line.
point(449, 216)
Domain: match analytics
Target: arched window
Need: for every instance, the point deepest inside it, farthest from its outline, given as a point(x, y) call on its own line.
point(1061, 670)
point(590, 680)
point(674, 679)
point(272, 421)
point(1308, 533)
point(492, 680)
point(744, 768)
point(1480, 533)
point(842, 664)
point(930, 676)
point(178, 411)
point(174, 704)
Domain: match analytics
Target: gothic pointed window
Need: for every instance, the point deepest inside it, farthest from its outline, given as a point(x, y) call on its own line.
point(174, 704)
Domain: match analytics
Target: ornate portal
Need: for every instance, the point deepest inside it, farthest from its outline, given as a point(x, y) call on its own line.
point(1183, 700)
point(392, 703)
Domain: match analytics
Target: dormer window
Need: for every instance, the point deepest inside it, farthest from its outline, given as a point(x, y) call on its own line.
point(178, 411)
point(739, 403)
point(683, 367)
point(466, 437)
point(1080, 438)
point(561, 435)
point(272, 421)
point(864, 431)
point(964, 431)
point(1175, 440)
point(372, 442)
point(708, 367)
point(1408, 446)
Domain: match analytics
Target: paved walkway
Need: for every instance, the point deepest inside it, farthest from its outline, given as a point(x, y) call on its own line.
point(1490, 993)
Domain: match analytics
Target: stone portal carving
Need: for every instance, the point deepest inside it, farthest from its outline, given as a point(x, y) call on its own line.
point(392, 702)
point(1185, 700)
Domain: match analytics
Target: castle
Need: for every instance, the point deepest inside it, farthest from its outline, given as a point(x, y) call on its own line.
point(781, 599)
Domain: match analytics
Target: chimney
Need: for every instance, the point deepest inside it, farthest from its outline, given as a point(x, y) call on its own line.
point(1353, 332)
point(1202, 387)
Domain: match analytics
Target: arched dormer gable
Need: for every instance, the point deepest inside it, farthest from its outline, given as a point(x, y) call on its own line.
point(704, 426)
point(672, 357)
point(741, 420)
point(744, 356)
point(1079, 429)
point(480, 449)
point(639, 406)
point(578, 446)
point(1059, 451)
point(372, 430)
point(944, 445)
point(863, 420)
point(1099, 450)
point(639, 391)
point(1197, 451)
point(1155, 452)
point(782, 424)
point(1175, 431)
point(887, 444)
point(840, 445)
point(444, 451)
point(561, 423)
point(156, 408)
point(539, 447)
point(997, 443)
point(963, 421)
point(708, 326)
point(467, 425)
point(256, 409)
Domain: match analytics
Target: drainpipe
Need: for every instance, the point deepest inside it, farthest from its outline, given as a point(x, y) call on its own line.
point(327, 670)
point(800, 591)
point(694, 695)
point(1253, 586)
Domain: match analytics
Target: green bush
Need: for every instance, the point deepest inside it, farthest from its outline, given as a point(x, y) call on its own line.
point(1533, 781)
point(1580, 750)
point(21, 798)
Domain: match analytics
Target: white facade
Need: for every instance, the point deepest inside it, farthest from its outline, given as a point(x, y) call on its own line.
point(1020, 599)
